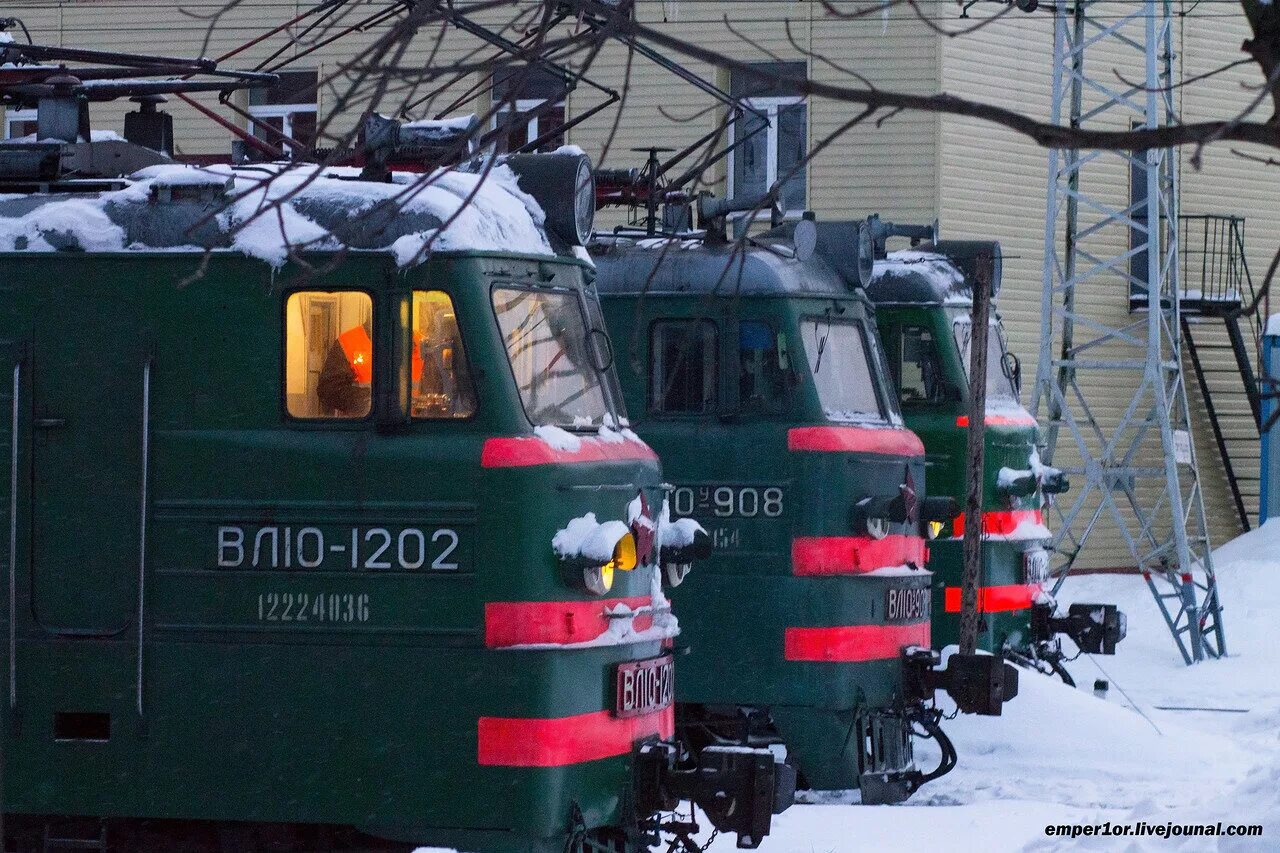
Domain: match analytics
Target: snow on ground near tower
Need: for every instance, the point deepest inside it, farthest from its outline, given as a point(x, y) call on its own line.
point(1064, 756)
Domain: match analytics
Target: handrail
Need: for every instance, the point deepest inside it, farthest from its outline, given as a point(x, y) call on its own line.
point(142, 521)
point(13, 539)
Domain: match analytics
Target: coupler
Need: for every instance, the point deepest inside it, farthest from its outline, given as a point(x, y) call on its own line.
point(740, 788)
point(977, 683)
point(1094, 628)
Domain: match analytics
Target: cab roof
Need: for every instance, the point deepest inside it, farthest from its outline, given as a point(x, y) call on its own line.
point(919, 276)
point(267, 211)
point(689, 265)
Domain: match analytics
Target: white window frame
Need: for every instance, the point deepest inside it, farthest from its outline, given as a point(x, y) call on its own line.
point(12, 116)
point(524, 105)
point(282, 112)
point(769, 105)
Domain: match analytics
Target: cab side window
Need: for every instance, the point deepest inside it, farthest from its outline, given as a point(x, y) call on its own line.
point(920, 372)
point(329, 354)
point(683, 366)
point(762, 373)
point(440, 384)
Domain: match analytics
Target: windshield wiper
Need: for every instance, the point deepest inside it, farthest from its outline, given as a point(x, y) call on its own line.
point(822, 343)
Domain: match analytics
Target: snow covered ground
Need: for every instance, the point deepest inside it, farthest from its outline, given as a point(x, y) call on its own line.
point(1060, 756)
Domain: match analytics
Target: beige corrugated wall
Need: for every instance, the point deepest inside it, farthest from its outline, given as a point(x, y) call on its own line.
point(993, 183)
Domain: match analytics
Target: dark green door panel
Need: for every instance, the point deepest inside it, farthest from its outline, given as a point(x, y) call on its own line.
point(87, 371)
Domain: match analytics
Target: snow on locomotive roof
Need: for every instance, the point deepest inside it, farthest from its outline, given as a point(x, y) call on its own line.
point(442, 124)
point(94, 136)
point(918, 276)
point(687, 264)
point(266, 211)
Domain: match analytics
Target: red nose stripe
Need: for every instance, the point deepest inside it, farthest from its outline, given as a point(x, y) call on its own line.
point(853, 555)
point(523, 742)
point(890, 441)
point(995, 599)
point(853, 643)
point(525, 451)
point(519, 623)
point(1000, 522)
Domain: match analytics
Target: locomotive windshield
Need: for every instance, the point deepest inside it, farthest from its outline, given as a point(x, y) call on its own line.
point(841, 367)
point(999, 383)
point(762, 376)
point(440, 382)
point(919, 371)
point(559, 374)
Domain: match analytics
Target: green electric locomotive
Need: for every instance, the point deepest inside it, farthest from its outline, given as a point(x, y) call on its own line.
point(923, 298)
point(755, 368)
point(324, 529)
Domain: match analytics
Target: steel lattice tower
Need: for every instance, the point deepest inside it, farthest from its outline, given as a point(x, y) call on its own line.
point(1135, 469)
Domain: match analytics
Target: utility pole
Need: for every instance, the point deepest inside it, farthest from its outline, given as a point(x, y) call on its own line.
point(975, 446)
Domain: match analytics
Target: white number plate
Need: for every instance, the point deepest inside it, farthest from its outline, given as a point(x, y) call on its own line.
point(1035, 565)
point(910, 604)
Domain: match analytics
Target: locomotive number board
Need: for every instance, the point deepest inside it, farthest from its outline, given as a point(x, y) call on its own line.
point(727, 501)
point(1035, 565)
point(909, 604)
point(331, 548)
point(645, 686)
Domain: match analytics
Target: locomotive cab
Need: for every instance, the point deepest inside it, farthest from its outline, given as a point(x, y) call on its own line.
point(757, 372)
point(923, 299)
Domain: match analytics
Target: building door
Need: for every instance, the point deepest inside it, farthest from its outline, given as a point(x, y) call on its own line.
point(88, 361)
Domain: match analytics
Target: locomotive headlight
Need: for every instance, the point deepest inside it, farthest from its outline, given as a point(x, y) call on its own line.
point(624, 554)
point(564, 185)
point(937, 512)
point(872, 516)
point(598, 579)
point(591, 552)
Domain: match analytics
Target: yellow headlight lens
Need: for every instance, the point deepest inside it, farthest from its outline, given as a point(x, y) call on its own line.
point(598, 579)
point(934, 529)
point(624, 554)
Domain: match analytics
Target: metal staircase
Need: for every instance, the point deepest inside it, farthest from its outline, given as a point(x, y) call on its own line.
point(1222, 320)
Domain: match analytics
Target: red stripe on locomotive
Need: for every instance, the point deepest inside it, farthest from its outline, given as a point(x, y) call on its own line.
point(852, 439)
point(994, 599)
point(854, 643)
point(1000, 522)
point(532, 742)
point(517, 623)
point(851, 555)
point(524, 451)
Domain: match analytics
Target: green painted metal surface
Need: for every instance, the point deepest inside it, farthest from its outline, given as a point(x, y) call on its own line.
point(287, 673)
